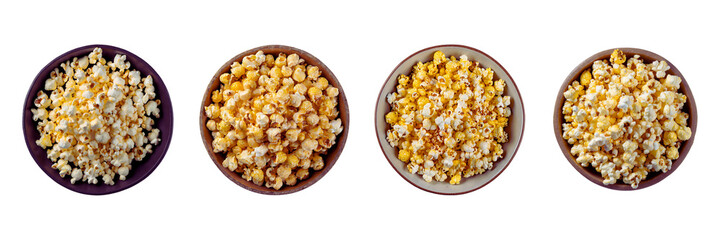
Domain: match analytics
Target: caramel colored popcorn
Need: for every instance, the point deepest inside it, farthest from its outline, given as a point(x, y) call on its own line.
point(448, 118)
point(624, 118)
point(273, 118)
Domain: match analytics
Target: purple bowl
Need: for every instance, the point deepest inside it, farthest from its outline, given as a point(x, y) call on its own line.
point(140, 169)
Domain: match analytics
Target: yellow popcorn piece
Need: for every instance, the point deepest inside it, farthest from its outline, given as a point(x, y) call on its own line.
point(586, 78)
point(624, 119)
point(447, 118)
point(216, 97)
point(391, 117)
point(456, 179)
point(257, 176)
point(275, 116)
point(618, 57)
point(236, 86)
point(404, 155)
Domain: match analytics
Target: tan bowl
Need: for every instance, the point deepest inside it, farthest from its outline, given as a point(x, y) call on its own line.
point(514, 128)
point(589, 172)
point(330, 157)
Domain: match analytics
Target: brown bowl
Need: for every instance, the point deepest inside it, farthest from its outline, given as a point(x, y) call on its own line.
point(141, 169)
point(515, 125)
point(330, 157)
point(589, 172)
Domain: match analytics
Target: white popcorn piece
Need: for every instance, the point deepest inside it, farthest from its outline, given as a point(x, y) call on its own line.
point(39, 114)
point(76, 175)
point(625, 102)
point(115, 94)
point(154, 137)
point(336, 126)
point(151, 108)
point(672, 81)
point(50, 84)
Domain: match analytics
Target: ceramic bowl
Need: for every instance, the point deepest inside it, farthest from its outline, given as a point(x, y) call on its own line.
point(330, 157)
point(514, 128)
point(589, 172)
point(140, 169)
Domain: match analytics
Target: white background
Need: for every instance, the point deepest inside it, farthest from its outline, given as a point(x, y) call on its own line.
point(539, 194)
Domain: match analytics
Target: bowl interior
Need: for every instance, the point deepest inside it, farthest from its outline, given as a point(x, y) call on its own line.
point(140, 169)
point(589, 172)
point(514, 128)
point(331, 155)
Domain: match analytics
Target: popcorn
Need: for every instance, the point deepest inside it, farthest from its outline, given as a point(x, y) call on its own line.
point(673, 82)
point(625, 103)
point(274, 117)
point(624, 118)
point(90, 124)
point(448, 118)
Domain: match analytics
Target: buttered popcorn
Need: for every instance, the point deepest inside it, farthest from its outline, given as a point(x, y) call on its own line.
point(448, 118)
point(273, 117)
point(624, 118)
point(97, 119)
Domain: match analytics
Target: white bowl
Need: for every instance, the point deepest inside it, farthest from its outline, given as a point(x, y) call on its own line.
point(514, 128)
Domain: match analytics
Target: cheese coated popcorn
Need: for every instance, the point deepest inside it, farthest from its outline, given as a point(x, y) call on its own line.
point(274, 117)
point(98, 118)
point(447, 119)
point(624, 118)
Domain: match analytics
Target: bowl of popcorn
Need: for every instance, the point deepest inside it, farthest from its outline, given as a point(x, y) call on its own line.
point(449, 119)
point(97, 119)
point(274, 119)
point(625, 118)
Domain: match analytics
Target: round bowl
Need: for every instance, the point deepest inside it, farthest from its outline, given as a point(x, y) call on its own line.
point(330, 157)
point(589, 172)
point(514, 129)
point(141, 169)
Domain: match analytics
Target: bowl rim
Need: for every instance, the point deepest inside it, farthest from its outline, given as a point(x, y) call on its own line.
point(591, 174)
point(509, 80)
point(315, 176)
point(100, 188)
